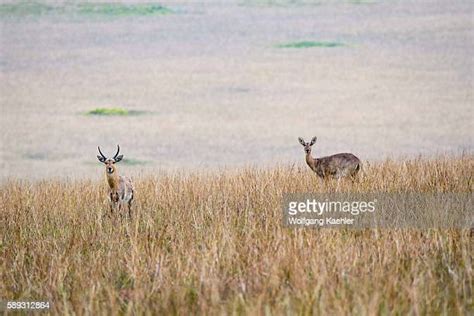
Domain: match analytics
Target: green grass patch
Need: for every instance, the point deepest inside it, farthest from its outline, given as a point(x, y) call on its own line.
point(114, 112)
point(36, 156)
point(37, 8)
point(119, 9)
point(134, 162)
point(25, 8)
point(109, 111)
point(310, 44)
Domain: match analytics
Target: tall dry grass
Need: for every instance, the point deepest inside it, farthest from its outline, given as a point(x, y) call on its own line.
point(214, 243)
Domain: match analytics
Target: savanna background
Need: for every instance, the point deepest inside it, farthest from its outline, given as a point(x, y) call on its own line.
point(207, 100)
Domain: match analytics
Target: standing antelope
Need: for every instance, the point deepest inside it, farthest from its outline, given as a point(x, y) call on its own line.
point(338, 165)
point(120, 188)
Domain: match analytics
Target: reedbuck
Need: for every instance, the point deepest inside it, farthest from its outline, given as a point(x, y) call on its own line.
point(337, 166)
point(120, 188)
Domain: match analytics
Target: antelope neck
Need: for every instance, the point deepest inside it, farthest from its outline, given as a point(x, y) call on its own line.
point(113, 180)
point(312, 162)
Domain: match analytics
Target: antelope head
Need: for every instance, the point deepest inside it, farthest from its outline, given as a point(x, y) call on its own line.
point(110, 162)
point(307, 146)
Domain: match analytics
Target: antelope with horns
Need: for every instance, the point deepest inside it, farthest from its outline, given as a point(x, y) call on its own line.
point(337, 166)
point(120, 187)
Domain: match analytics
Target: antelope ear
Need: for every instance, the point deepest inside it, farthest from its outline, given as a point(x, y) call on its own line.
point(118, 158)
point(301, 140)
point(101, 159)
point(313, 141)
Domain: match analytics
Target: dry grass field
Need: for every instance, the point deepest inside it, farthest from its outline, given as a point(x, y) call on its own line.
point(214, 243)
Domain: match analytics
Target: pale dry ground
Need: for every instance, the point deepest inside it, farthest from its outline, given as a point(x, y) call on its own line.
point(220, 93)
point(214, 243)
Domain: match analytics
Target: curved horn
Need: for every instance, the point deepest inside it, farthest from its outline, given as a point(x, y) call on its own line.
point(98, 147)
point(118, 150)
